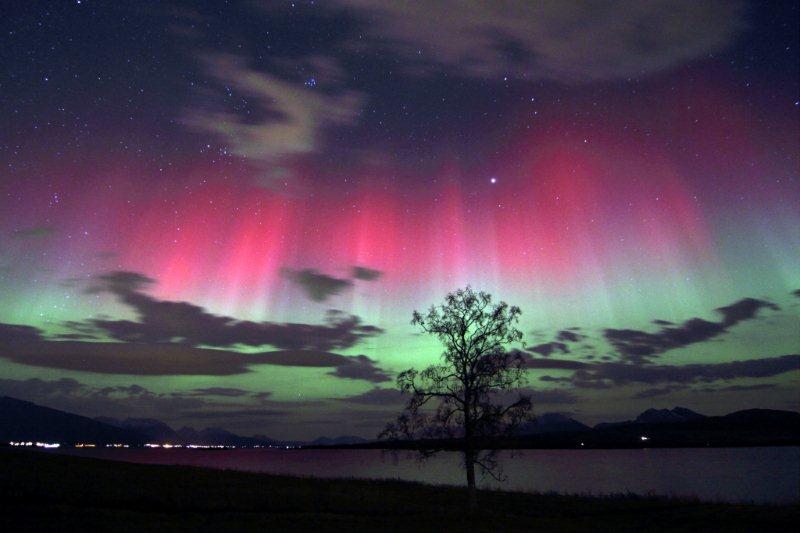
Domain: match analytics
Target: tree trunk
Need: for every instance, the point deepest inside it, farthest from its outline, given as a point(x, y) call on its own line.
point(469, 450)
point(469, 463)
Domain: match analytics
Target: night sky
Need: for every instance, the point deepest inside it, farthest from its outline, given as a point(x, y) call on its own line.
point(224, 213)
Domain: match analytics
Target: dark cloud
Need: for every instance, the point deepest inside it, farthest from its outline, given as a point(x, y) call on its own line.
point(163, 359)
point(165, 340)
point(739, 388)
point(538, 396)
point(376, 396)
point(659, 322)
point(534, 363)
point(161, 321)
point(366, 274)
point(38, 388)
point(75, 337)
point(657, 391)
point(120, 282)
point(639, 346)
point(14, 333)
point(33, 232)
point(233, 413)
point(263, 396)
point(129, 358)
point(548, 348)
point(553, 397)
point(219, 391)
point(796, 293)
point(744, 309)
point(555, 379)
point(566, 335)
point(360, 367)
point(604, 375)
point(319, 287)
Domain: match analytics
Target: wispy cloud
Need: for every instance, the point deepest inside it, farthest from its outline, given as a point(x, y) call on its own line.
point(556, 40)
point(266, 119)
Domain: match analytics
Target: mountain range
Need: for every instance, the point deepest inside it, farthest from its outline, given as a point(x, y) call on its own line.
point(26, 421)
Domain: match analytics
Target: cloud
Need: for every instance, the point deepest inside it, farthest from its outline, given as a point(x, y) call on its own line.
point(165, 359)
point(161, 321)
point(548, 348)
point(568, 335)
point(553, 397)
point(376, 396)
point(538, 396)
point(319, 287)
point(38, 388)
point(233, 413)
point(550, 40)
point(34, 232)
point(555, 379)
point(229, 392)
point(658, 391)
point(289, 118)
point(534, 363)
point(744, 309)
point(360, 367)
point(138, 359)
point(604, 375)
point(739, 388)
point(15, 334)
point(796, 293)
point(659, 322)
point(638, 346)
point(173, 338)
point(366, 274)
point(263, 396)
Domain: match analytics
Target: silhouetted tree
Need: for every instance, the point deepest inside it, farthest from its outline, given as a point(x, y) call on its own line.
point(460, 400)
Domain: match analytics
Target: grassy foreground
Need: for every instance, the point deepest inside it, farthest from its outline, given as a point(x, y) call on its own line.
point(55, 492)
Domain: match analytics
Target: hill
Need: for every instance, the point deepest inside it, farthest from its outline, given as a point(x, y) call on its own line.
point(26, 421)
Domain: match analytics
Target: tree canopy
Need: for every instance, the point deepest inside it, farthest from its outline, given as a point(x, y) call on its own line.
point(474, 394)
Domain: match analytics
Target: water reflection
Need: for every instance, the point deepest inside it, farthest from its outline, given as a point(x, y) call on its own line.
point(764, 475)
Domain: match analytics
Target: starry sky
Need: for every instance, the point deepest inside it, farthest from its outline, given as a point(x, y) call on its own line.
point(224, 213)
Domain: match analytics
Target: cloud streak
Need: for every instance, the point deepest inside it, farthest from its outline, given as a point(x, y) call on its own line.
point(604, 375)
point(291, 121)
point(564, 41)
point(161, 321)
point(172, 338)
point(319, 287)
point(639, 346)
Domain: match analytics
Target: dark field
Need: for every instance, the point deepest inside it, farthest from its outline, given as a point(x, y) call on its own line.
point(49, 491)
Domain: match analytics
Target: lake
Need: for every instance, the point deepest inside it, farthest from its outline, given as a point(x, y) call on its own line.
point(762, 475)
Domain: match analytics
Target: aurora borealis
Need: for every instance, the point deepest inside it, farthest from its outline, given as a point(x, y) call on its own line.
point(225, 213)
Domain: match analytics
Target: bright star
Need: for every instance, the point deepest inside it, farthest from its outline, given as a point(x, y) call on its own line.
point(493, 180)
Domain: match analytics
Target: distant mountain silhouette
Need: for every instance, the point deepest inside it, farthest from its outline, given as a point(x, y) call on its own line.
point(763, 416)
point(154, 430)
point(677, 427)
point(667, 416)
point(680, 427)
point(551, 423)
point(336, 441)
point(219, 437)
point(658, 416)
point(26, 421)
